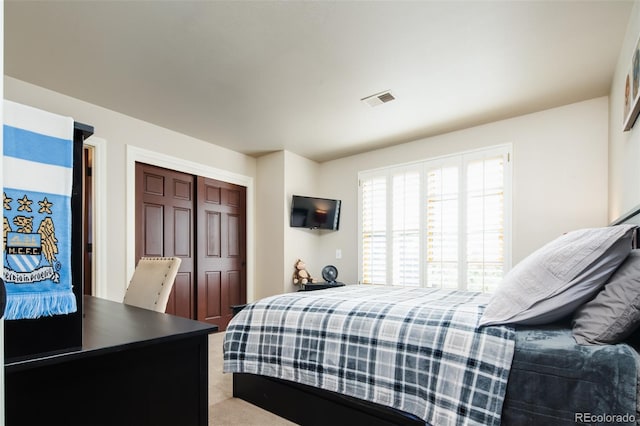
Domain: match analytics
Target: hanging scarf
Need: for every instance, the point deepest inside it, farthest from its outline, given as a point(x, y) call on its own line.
point(37, 173)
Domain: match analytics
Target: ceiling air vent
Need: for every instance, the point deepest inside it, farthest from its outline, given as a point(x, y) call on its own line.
point(378, 98)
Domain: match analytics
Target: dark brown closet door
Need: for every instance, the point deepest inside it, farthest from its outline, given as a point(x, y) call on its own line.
point(221, 248)
point(164, 227)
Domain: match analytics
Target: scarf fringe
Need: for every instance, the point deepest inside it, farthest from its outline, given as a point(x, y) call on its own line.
point(36, 305)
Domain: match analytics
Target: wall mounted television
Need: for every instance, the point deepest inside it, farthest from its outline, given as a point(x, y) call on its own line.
point(315, 213)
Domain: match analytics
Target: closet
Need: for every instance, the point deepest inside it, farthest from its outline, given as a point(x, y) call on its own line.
point(202, 221)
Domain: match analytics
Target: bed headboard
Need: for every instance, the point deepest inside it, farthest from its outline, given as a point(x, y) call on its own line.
point(631, 217)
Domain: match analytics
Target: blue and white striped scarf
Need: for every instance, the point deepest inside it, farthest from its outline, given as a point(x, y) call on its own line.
point(37, 173)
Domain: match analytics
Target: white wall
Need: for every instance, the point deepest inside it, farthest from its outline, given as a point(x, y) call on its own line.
point(624, 147)
point(280, 175)
point(301, 178)
point(559, 176)
point(121, 131)
point(270, 227)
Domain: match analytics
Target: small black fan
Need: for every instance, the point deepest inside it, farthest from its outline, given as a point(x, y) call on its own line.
point(329, 273)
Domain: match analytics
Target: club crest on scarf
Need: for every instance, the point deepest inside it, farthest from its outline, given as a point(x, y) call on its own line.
point(29, 242)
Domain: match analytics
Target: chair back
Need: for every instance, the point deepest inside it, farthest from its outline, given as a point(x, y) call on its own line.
point(152, 282)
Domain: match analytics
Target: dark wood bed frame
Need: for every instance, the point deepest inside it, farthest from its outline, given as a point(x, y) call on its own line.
point(307, 405)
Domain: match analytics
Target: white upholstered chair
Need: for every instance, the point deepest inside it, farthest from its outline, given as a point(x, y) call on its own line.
point(152, 282)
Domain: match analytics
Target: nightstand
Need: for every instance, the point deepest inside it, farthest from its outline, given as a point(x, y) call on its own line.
point(320, 286)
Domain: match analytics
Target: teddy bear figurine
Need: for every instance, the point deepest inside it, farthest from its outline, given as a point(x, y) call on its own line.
point(300, 274)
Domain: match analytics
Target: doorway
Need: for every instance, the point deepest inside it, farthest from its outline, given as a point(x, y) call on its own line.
point(88, 217)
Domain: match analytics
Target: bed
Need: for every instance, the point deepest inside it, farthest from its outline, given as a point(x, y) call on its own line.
point(380, 356)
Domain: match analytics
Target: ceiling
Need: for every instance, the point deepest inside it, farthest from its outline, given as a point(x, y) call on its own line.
point(263, 76)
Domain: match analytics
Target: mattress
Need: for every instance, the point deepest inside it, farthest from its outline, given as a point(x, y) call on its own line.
point(415, 349)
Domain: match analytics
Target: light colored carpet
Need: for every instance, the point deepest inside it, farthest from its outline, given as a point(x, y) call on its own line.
point(224, 409)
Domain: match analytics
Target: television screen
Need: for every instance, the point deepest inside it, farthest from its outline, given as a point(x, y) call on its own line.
point(315, 213)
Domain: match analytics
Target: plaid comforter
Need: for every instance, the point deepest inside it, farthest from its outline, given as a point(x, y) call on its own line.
point(418, 350)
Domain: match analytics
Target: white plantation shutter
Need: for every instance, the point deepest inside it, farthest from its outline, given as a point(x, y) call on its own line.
point(374, 230)
point(485, 193)
point(406, 228)
point(442, 229)
point(439, 223)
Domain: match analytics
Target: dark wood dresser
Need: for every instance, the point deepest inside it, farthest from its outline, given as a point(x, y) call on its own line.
point(135, 367)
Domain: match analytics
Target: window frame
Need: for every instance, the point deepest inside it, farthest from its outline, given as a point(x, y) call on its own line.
point(461, 159)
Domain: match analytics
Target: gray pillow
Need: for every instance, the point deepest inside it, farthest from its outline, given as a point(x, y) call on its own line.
point(615, 312)
point(556, 279)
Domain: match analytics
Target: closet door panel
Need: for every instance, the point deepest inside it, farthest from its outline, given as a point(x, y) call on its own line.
point(221, 250)
point(165, 206)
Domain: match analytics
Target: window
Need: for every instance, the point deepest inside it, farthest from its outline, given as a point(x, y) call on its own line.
point(438, 223)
